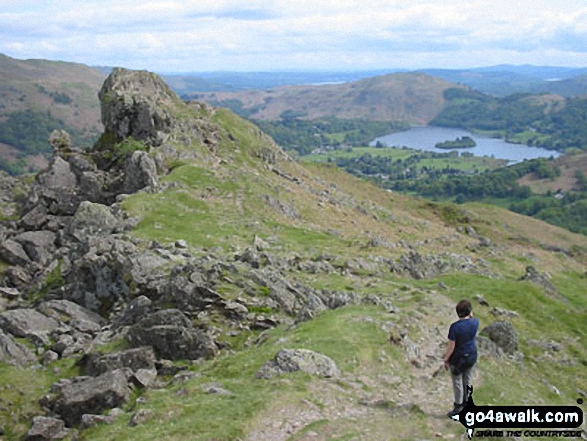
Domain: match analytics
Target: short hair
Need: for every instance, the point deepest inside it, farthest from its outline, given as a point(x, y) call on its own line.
point(464, 308)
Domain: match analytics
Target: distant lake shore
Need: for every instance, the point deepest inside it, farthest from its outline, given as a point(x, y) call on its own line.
point(426, 138)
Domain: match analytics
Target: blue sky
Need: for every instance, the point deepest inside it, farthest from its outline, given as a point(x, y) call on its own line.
point(269, 35)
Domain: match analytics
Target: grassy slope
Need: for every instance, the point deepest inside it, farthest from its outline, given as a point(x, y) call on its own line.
point(20, 82)
point(220, 202)
point(414, 98)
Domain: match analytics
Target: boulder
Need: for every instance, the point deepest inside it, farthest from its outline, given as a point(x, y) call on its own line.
point(38, 245)
point(74, 315)
point(46, 428)
point(172, 336)
point(140, 172)
point(35, 218)
point(292, 360)
point(91, 396)
point(503, 335)
point(534, 276)
point(13, 253)
point(93, 219)
point(14, 353)
point(134, 359)
point(136, 104)
point(27, 323)
point(55, 189)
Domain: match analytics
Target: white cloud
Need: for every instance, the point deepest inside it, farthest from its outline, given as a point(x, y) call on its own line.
point(274, 34)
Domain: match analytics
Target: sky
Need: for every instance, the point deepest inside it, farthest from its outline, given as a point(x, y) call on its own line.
point(279, 35)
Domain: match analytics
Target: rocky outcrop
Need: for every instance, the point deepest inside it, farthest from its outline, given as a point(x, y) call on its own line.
point(172, 336)
point(292, 360)
point(138, 105)
point(503, 335)
point(133, 359)
point(14, 353)
point(46, 429)
point(91, 395)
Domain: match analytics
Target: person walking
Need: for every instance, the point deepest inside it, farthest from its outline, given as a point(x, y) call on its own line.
point(461, 353)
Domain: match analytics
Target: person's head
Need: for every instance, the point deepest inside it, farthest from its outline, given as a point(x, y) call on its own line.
point(464, 308)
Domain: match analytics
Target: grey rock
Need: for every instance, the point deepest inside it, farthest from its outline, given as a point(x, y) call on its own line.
point(498, 312)
point(14, 353)
point(13, 253)
point(55, 188)
point(91, 396)
point(9, 293)
point(145, 377)
point(38, 245)
point(141, 417)
point(49, 357)
point(91, 420)
point(17, 276)
point(135, 359)
point(503, 335)
point(140, 172)
point(69, 312)
point(172, 336)
point(26, 322)
point(35, 219)
point(136, 104)
point(292, 360)
point(92, 219)
point(46, 428)
point(534, 276)
point(136, 309)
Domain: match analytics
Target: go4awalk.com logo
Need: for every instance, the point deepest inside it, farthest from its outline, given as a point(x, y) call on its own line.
point(527, 421)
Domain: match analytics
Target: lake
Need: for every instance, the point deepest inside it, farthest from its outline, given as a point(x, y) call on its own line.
point(425, 137)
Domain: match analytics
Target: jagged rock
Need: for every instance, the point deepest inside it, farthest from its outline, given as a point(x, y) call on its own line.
point(480, 299)
point(136, 309)
point(92, 219)
point(38, 245)
point(144, 377)
point(91, 396)
point(72, 314)
point(497, 312)
point(9, 293)
point(27, 323)
point(292, 360)
point(13, 253)
point(141, 417)
point(34, 219)
point(542, 280)
point(138, 105)
point(14, 353)
point(503, 335)
point(54, 188)
point(49, 357)
point(46, 428)
point(172, 336)
point(281, 207)
point(140, 172)
point(134, 359)
point(260, 244)
point(90, 420)
point(17, 276)
point(166, 367)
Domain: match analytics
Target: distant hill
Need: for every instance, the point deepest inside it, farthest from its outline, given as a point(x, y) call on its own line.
point(505, 80)
point(415, 98)
point(52, 94)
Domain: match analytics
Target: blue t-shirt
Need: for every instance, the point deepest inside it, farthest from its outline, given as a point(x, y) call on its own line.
point(463, 334)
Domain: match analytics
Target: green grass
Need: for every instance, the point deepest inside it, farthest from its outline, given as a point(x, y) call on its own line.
point(340, 334)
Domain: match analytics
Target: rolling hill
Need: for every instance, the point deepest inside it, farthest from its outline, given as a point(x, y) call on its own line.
point(410, 97)
point(52, 93)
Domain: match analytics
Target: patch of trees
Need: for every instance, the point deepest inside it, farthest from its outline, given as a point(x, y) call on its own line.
point(561, 128)
point(27, 131)
point(303, 136)
point(466, 142)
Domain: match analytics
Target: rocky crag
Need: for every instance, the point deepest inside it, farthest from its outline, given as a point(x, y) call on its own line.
point(83, 281)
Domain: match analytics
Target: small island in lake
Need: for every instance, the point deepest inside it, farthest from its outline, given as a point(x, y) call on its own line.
point(466, 142)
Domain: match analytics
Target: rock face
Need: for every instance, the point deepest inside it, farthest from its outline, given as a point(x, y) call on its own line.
point(14, 353)
point(503, 335)
point(172, 336)
point(137, 105)
point(91, 396)
point(134, 359)
point(292, 360)
point(45, 429)
point(140, 172)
